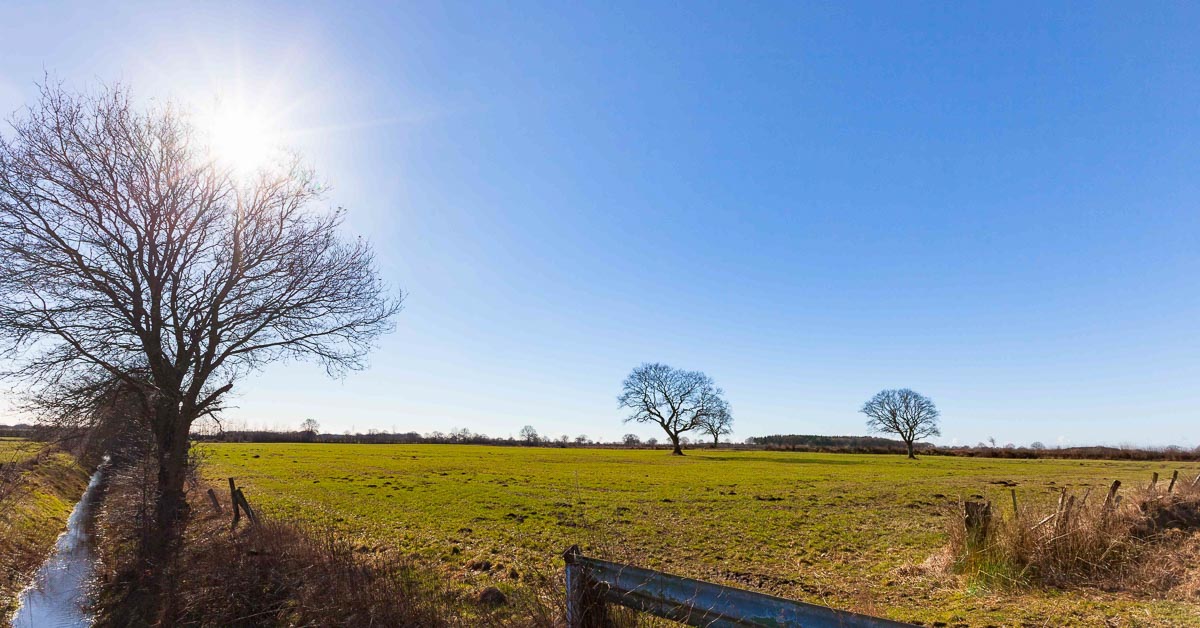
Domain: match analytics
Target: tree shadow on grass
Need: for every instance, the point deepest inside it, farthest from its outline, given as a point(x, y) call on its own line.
point(794, 459)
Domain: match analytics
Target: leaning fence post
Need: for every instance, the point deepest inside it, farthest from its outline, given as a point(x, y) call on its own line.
point(1174, 478)
point(1111, 501)
point(212, 497)
point(233, 499)
point(246, 506)
point(1064, 522)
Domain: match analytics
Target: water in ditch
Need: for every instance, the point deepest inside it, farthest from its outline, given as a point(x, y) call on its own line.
point(58, 595)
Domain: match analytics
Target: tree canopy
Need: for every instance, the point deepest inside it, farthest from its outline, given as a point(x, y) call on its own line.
point(129, 255)
point(905, 413)
point(676, 400)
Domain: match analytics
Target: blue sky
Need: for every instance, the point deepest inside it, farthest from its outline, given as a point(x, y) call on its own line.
point(995, 205)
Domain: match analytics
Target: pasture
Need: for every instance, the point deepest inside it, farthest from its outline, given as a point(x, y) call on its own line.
point(851, 531)
point(17, 449)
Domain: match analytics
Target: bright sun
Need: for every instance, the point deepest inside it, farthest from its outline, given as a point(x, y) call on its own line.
point(241, 137)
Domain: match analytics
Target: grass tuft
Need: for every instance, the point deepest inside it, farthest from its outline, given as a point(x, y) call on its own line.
point(1146, 543)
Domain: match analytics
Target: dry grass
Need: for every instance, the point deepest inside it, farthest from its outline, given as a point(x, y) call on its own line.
point(1144, 542)
point(280, 573)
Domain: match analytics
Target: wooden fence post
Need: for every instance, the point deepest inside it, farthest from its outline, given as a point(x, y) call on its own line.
point(1064, 521)
point(212, 497)
point(977, 520)
point(246, 506)
point(1110, 502)
point(1153, 480)
point(1174, 478)
point(233, 499)
point(1016, 512)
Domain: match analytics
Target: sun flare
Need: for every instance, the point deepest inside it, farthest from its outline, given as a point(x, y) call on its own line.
point(243, 138)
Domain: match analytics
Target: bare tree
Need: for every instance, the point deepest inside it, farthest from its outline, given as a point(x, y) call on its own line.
point(905, 413)
point(631, 440)
point(126, 251)
point(529, 435)
point(678, 401)
point(718, 423)
point(310, 425)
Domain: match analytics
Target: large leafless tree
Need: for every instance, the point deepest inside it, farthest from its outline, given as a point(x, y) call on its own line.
point(128, 254)
point(678, 401)
point(905, 413)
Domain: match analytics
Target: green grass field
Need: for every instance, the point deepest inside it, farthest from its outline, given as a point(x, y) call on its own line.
point(850, 531)
point(17, 449)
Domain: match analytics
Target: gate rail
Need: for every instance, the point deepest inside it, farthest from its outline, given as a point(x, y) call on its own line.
point(593, 583)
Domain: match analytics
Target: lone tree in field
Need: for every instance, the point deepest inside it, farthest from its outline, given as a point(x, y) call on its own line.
point(309, 430)
point(530, 435)
point(678, 401)
point(128, 252)
point(905, 413)
point(717, 424)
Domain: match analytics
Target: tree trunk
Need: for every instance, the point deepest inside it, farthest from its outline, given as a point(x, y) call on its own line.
point(909, 444)
point(159, 551)
point(171, 438)
point(675, 441)
point(716, 441)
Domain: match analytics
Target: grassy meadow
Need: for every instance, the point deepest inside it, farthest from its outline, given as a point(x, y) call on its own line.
point(17, 449)
point(850, 531)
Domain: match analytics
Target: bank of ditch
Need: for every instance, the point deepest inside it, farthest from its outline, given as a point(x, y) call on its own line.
point(37, 496)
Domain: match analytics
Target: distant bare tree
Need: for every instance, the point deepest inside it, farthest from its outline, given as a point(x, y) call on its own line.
point(310, 425)
point(905, 413)
point(126, 251)
point(631, 440)
point(529, 435)
point(678, 401)
point(718, 423)
point(582, 439)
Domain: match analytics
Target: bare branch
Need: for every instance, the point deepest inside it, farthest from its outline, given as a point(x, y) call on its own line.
point(677, 401)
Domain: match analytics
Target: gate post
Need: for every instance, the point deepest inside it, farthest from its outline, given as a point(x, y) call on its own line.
point(585, 604)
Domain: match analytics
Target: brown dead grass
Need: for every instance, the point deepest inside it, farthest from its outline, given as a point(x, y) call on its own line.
point(1147, 544)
